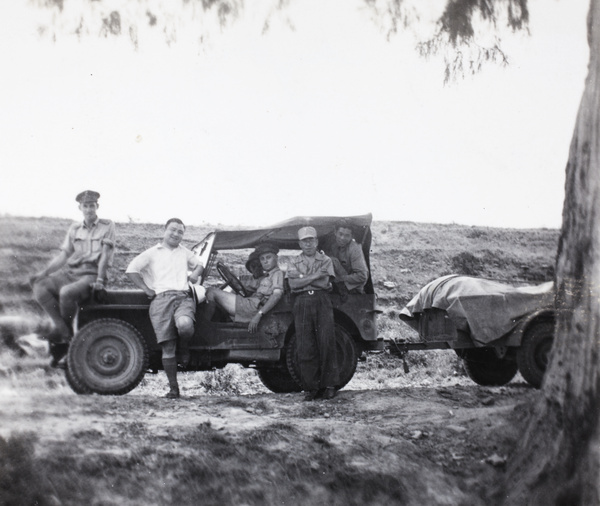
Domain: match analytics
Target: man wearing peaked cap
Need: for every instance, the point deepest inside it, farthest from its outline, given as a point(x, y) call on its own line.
point(81, 266)
point(309, 275)
point(87, 196)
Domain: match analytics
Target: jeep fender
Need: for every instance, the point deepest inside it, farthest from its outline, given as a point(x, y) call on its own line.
point(515, 337)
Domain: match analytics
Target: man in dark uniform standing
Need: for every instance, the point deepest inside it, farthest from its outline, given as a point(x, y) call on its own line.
point(309, 275)
point(69, 278)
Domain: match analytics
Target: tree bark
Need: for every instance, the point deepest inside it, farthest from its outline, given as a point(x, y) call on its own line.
point(558, 458)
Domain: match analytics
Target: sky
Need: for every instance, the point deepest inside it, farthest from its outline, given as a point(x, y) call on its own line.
point(320, 115)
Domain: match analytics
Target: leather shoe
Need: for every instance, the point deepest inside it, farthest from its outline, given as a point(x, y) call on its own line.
point(329, 393)
point(173, 394)
point(58, 351)
point(310, 395)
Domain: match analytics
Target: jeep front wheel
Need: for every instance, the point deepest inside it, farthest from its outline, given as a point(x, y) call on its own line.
point(74, 384)
point(346, 357)
point(108, 357)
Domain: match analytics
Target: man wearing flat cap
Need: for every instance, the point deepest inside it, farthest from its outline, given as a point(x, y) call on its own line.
point(265, 291)
point(309, 275)
point(81, 266)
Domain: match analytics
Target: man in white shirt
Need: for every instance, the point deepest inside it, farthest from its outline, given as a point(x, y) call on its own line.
point(162, 273)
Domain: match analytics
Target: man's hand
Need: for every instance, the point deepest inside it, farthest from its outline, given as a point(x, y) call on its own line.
point(150, 293)
point(193, 278)
point(97, 286)
point(253, 326)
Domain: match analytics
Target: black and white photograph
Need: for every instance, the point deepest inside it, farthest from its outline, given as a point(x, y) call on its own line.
point(300, 252)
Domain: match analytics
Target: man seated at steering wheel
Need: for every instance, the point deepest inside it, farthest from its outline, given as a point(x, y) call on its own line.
point(264, 292)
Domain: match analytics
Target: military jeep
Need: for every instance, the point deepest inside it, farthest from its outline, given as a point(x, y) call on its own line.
point(114, 345)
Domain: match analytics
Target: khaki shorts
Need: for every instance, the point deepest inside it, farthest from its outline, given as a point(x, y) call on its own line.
point(165, 309)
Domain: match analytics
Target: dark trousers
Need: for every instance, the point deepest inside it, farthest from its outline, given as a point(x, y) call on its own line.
point(315, 334)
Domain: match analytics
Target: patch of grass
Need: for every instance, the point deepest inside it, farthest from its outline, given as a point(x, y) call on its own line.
point(22, 480)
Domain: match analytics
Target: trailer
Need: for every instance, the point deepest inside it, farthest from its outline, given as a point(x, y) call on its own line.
point(496, 329)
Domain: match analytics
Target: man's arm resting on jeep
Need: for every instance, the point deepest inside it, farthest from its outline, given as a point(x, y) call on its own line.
point(360, 271)
point(103, 265)
point(196, 273)
point(272, 301)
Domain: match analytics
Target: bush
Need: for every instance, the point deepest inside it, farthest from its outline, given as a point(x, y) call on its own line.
point(466, 263)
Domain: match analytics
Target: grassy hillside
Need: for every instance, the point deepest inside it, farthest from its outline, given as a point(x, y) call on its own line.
point(404, 256)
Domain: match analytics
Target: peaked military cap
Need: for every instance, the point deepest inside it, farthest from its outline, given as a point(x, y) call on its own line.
point(266, 247)
point(87, 196)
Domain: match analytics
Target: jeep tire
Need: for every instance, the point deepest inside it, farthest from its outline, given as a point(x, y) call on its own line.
point(278, 379)
point(532, 356)
point(346, 356)
point(107, 357)
point(485, 368)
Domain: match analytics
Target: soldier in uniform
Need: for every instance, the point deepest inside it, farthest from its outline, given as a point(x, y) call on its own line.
point(309, 275)
point(81, 266)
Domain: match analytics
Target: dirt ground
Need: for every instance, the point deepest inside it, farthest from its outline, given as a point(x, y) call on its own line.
point(444, 443)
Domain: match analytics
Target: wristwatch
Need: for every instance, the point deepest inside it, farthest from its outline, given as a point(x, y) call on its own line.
point(260, 312)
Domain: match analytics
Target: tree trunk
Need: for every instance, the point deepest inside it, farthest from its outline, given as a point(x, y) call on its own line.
point(558, 459)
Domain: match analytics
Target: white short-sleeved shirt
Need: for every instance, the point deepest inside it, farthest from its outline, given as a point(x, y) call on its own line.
point(165, 269)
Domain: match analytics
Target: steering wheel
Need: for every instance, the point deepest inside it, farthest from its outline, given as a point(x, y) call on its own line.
point(231, 280)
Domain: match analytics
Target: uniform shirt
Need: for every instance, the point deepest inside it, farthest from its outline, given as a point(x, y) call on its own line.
point(83, 244)
point(264, 286)
point(322, 263)
point(165, 269)
point(353, 262)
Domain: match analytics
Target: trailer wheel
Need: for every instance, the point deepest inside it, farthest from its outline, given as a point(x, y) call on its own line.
point(485, 368)
point(107, 357)
point(532, 356)
point(278, 380)
point(346, 356)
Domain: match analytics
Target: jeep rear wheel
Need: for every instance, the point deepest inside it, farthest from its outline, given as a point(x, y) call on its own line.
point(346, 357)
point(278, 380)
point(108, 357)
point(485, 368)
point(532, 356)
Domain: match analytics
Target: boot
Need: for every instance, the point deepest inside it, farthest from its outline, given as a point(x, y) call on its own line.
point(58, 351)
point(170, 367)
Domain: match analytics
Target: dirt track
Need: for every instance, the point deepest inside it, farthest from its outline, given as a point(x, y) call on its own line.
point(417, 445)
